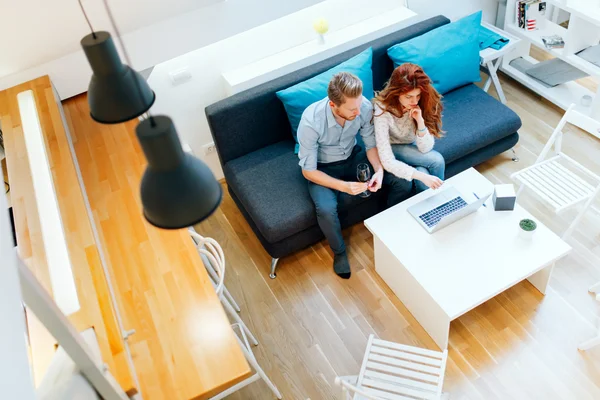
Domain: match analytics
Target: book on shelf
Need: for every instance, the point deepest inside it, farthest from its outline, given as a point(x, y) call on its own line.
point(553, 42)
point(530, 14)
point(591, 54)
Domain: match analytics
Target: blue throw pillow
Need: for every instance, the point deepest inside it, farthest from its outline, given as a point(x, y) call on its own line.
point(448, 54)
point(296, 98)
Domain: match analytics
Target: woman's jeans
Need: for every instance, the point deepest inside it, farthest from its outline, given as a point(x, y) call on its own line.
point(431, 163)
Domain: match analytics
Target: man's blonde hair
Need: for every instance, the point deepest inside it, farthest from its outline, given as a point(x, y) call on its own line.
point(344, 85)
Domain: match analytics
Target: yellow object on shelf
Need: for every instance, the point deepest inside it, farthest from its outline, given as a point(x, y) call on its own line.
point(321, 26)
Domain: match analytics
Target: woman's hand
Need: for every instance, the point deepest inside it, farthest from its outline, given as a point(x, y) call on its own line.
point(376, 181)
point(417, 115)
point(430, 181)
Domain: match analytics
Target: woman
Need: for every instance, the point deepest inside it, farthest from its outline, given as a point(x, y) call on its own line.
point(407, 116)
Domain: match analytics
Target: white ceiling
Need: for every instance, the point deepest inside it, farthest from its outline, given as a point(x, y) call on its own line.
point(33, 32)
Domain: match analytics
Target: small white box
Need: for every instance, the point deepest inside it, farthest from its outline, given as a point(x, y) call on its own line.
point(504, 197)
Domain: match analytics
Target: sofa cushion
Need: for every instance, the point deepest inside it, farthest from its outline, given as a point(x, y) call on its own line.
point(449, 55)
point(272, 189)
point(472, 119)
point(296, 98)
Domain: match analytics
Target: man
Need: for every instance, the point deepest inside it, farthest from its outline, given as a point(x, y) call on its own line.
point(329, 156)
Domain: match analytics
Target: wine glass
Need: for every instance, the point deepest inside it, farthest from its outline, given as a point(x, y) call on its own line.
point(363, 173)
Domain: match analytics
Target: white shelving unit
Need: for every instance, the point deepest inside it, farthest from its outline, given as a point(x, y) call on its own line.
point(583, 31)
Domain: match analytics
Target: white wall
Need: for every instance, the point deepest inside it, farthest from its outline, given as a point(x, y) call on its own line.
point(15, 375)
point(455, 9)
point(37, 31)
point(164, 39)
point(185, 103)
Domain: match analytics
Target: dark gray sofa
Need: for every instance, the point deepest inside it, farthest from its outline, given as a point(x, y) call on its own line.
point(256, 148)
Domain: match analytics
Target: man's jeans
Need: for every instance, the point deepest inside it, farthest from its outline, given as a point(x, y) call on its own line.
point(326, 199)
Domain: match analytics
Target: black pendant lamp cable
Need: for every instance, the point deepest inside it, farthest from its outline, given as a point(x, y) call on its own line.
point(126, 55)
point(87, 19)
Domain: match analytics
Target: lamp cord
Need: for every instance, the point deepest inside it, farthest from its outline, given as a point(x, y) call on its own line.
point(87, 19)
point(126, 54)
point(6, 184)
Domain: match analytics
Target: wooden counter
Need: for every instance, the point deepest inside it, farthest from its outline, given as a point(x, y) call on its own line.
point(184, 347)
point(96, 310)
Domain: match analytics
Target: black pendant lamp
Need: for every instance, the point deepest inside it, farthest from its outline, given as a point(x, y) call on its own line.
point(178, 190)
point(116, 92)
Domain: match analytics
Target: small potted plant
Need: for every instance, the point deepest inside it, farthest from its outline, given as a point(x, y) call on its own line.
point(527, 228)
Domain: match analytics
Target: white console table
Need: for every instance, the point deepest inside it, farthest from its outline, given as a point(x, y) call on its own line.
point(492, 59)
point(311, 52)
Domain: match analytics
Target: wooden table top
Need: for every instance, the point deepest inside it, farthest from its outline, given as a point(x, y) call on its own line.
point(91, 284)
point(183, 347)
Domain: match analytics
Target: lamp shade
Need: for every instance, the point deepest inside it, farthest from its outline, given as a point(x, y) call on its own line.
point(116, 92)
point(178, 190)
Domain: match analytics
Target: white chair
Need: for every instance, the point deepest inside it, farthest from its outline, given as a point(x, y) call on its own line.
point(393, 371)
point(214, 261)
point(560, 181)
point(588, 344)
point(217, 276)
point(213, 274)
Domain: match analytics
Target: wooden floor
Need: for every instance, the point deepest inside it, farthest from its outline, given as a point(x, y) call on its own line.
point(313, 326)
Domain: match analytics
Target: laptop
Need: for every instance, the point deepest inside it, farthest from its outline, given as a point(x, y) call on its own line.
point(444, 208)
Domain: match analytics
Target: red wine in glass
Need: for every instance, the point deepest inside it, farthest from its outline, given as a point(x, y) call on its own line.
point(363, 174)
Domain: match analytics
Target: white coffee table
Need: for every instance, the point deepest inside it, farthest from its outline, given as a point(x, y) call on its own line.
point(443, 275)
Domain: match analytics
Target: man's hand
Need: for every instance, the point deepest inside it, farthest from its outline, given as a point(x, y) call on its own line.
point(354, 188)
point(376, 181)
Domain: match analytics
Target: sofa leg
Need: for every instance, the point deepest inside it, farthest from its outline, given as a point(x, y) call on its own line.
point(514, 158)
point(274, 262)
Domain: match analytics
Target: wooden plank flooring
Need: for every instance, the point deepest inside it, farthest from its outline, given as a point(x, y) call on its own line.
point(313, 326)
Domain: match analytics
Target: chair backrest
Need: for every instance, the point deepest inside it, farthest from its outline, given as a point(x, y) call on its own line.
point(210, 249)
point(393, 370)
point(582, 121)
point(576, 118)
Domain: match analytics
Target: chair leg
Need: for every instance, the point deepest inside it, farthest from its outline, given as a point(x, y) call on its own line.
point(252, 361)
point(595, 288)
point(215, 278)
point(259, 371)
point(585, 207)
point(274, 262)
point(238, 320)
point(514, 157)
point(589, 343)
point(231, 299)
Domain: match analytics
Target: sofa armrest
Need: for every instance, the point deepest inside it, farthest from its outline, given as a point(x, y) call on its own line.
point(246, 122)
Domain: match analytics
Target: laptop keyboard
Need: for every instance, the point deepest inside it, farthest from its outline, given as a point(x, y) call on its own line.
point(431, 218)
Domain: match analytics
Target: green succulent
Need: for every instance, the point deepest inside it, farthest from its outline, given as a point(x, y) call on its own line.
point(527, 225)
